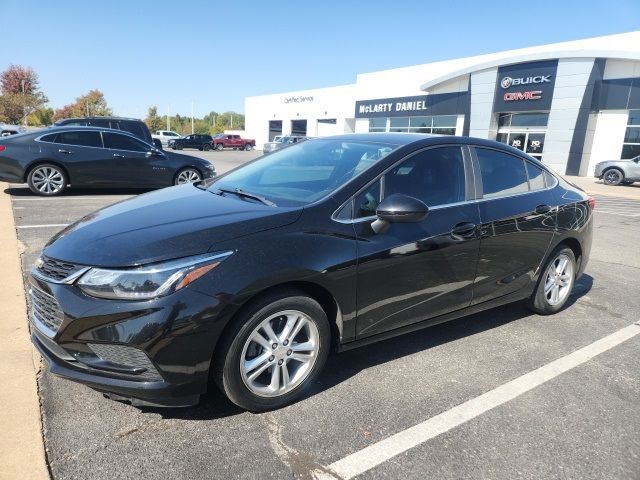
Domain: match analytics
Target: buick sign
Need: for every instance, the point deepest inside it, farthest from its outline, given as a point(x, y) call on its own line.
point(525, 87)
point(507, 82)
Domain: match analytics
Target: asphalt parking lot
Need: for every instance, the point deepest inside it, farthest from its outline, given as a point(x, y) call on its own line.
point(582, 423)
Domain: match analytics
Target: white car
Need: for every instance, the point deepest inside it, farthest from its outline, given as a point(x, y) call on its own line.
point(165, 135)
point(6, 130)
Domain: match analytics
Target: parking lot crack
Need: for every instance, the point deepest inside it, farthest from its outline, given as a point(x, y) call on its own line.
point(303, 465)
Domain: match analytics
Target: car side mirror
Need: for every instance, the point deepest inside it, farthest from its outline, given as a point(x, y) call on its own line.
point(398, 208)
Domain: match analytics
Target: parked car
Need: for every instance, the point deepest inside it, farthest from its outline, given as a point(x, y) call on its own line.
point(248, 281)
point(236, 142)
point(165, 136)
point(619, 172)
point(6, 130)
point(196, 140)
point(135, 127)
point(281, 142)
point(51, 160)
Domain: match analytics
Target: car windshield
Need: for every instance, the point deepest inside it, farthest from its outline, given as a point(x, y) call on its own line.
point(282, 140)
point(305, 172)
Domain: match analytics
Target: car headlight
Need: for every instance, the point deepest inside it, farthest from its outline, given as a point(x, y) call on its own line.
point(150, 281)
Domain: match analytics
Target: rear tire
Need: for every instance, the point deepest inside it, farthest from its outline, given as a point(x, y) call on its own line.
point(278, 375)
point(47, 180)
point(247, 147)
point(555, 283)
point(613, 176)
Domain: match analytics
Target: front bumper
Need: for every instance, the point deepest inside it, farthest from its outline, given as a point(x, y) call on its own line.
point(172, 338)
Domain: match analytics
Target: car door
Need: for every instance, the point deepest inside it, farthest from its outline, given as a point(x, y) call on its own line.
point(416, 271)
point(518, 221)
point(135, 163)
point(82, 154)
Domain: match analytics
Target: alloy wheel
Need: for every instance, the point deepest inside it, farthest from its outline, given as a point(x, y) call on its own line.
point(47, 180)
point(188, 175)
point(558, 280)
point(280, 353)
point(612, 177)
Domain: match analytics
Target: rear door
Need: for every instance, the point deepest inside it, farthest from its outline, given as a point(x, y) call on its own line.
point(518, 221)
point(135, 164)
point(416, 271)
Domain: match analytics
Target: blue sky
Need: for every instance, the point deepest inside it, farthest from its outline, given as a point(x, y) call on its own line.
point(142, 52)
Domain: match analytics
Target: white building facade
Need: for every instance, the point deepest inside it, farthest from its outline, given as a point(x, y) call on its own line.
point(570, 104)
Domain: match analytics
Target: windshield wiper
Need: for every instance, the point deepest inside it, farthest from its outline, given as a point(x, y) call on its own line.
point(242, 193)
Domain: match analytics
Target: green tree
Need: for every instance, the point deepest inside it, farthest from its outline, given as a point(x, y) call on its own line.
point(41, 117)
point(20, 94)
point(153, 121)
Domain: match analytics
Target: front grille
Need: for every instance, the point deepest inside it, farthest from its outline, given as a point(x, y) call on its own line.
point(45, 310)
point(55, 269)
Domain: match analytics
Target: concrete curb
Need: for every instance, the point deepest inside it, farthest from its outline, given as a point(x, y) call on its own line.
point(21, 443)
point(594, 186)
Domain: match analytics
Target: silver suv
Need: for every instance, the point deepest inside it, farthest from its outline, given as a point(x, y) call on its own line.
point(281, 142)
point(619, 172)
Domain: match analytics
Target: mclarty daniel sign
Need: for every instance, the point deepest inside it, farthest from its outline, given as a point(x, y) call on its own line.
point(392, 107)
point(525, 86)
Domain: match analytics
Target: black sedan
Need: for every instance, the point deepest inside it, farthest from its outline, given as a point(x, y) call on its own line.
point(249, 280)
point(50, 160)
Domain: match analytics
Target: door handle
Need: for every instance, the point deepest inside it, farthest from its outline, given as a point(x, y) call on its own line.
point(62, 150)
point(117, 155)
point(541, 209)
point(463, 229)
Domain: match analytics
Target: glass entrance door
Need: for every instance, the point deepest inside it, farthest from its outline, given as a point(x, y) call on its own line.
point(529, 142)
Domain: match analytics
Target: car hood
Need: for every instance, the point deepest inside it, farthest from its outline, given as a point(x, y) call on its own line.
point(166, 224)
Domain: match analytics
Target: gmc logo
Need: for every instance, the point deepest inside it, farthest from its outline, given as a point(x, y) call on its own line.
point(532, 95)
point(507, 82)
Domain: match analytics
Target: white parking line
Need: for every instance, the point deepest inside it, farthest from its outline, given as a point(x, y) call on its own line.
point(373, 455)
point(104, 197)
point(632, 215)
point(43, 226)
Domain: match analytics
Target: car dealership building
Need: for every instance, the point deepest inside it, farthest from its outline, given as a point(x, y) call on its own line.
point(571, 104)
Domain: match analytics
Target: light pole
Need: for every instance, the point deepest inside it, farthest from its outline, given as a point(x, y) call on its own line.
point(192, 118)
point(168, 119)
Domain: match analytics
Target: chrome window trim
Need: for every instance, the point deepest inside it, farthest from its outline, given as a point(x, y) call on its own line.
point(100, 132)
point(447, 205)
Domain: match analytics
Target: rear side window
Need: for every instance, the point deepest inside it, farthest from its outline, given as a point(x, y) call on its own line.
point(536, 177)
point(435, 176)
point(115, 141)
point(502, 174)
point(80, 138)
point(133, 128)
point(99, 122)
point(49, 138)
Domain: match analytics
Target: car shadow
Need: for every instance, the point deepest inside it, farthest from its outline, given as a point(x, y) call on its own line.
point(23, 191)
point(342, 366)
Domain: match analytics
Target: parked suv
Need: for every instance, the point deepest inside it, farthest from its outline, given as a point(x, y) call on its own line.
point(135, 127)
point(165, 136)
point(195, 140)
point(619, 172)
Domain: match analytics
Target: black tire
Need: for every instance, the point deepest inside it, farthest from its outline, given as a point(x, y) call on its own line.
point(219, 147)
point(248, 147)
point(613, 176)
point(179, 146)
point(176, 177)
point(226, 363)
point(539, 301)
point(206, 147)
point(45, 170)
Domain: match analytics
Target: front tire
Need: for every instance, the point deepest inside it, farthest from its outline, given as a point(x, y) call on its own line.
point(247, 147)
point(206, 147)
point(179, 146)
point(613, 176)
point(219, 147)
point(273, 352)
point(555, 282)
point(187, 175)
point(47, 180)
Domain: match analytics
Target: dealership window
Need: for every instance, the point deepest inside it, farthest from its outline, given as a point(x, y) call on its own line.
point(524, 131)
point(440, 124)
point(631, 145)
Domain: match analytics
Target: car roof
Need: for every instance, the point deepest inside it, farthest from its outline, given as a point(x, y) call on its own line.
point(96, 118)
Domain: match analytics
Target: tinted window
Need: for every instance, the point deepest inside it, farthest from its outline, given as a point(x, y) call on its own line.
point(502, 174)
point(367, 201)
point(536, 178)
point(79, 123)
point(435, 176)
point(49, 138)
point(116, 141)
point(132, 127)
point(80, 138)
point(99, 122)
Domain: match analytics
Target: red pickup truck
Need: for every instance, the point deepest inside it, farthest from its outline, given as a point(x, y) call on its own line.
point(232, 141)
